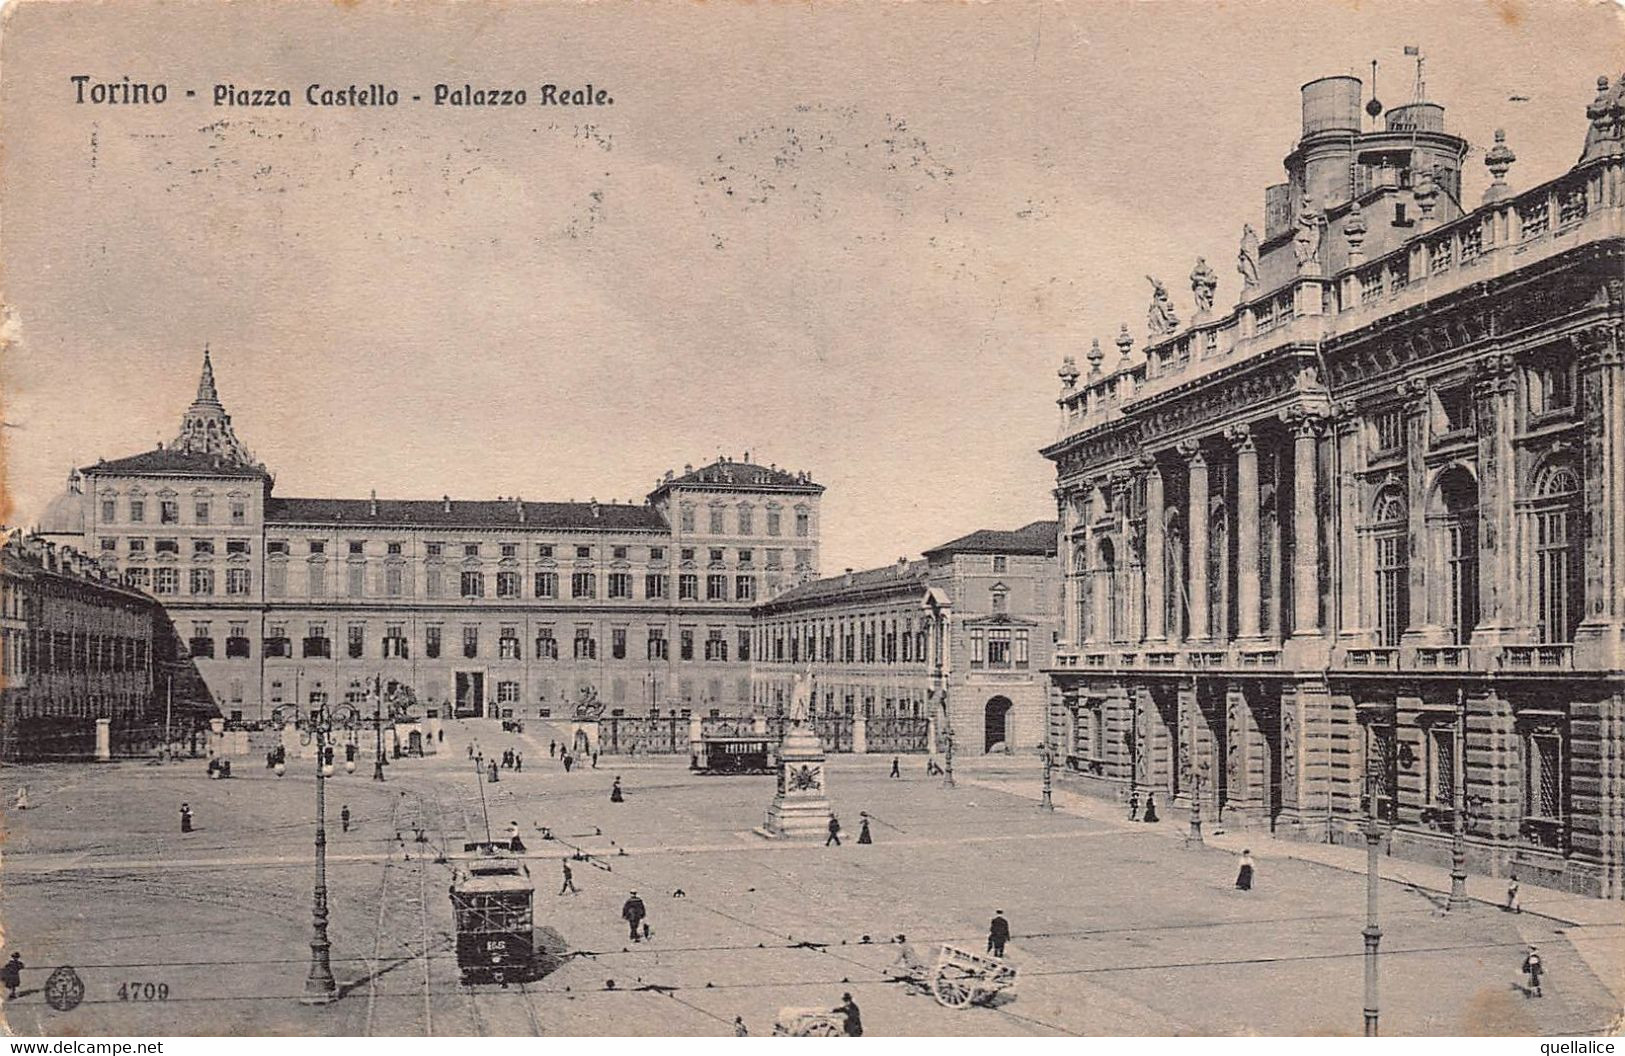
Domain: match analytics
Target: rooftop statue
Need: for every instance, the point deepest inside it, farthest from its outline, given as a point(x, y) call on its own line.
point(1306, 241)
point(1160, 319)
point(1204, 280)
point(1247, 259)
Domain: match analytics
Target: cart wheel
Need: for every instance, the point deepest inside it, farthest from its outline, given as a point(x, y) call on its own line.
point(820, 1029)
point(952, 987)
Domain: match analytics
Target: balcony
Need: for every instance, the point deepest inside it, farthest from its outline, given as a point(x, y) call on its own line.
point(1380, 659)
point(1537, 657)
point(1442, 657)
point(1260, 658)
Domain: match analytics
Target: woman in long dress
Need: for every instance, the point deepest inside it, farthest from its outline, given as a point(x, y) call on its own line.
point(1244, 876)
point(615, 792)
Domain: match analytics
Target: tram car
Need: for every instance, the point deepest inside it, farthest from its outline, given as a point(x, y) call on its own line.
point(735, 755)
point(492, 906)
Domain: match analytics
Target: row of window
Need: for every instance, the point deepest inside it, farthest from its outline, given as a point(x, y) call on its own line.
point(583, 586)
point(394, 645)
point(136, 546)
point(745, 520)
point(1549, 389)
point(744, 556)
point(165, 581)
point(47, 652)
point(169, 511)
point(857, 643)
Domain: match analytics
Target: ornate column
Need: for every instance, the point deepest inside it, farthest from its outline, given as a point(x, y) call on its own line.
point(1156, 565)
point(1246, 531)
point(1305, 530)
point(1196, 534)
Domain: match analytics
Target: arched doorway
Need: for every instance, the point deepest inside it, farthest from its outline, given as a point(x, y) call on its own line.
point(995, 724)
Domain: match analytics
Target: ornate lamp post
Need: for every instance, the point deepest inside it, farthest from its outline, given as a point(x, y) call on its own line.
point(1131, 743)
point(1047, 803)
point(317, 728)
point(1459, 808)
point(1193, 778)
point(1372, 933)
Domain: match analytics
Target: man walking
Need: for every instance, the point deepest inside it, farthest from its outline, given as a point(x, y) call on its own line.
point(1532, 968)
point(518, 762)
point(344, 818)
point(848, 1008)
point(11, 976)
point(998, 933)
point(895, 772)
point(834, 831)
point(633, 913)
point(552, 749)
point(569, 880)
point(186, 818)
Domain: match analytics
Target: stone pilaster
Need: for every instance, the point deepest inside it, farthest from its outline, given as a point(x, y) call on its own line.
point(1305, 532)
point(1196, 533)
point(1599, 641)
point(1497, 487)
point(1155, 557)
point(1247, 550)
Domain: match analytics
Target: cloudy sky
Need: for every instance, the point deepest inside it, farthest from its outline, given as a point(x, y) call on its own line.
point(853, 239)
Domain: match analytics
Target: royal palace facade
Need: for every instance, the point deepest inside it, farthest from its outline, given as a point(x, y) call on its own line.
point(1355, 547)
point(479, 607)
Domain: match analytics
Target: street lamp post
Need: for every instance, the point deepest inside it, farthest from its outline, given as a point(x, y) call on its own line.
point(1458, 810)
point(320, 986)
point(1194, 779)
point(1047, 803)
point(1372, 932)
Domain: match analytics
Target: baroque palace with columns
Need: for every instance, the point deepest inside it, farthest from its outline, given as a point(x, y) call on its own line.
point(479, 607)
point(1357, 545)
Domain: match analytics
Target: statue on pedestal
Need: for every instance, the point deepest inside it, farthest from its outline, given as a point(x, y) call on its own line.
point(1247, 258)
point(1204, 281)
point(1306, 240)
point(1160, 317)
point(800, 807)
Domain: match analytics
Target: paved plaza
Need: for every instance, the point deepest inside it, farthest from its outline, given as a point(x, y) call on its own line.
point(1117, 927)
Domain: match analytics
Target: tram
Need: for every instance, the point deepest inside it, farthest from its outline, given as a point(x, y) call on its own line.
point(492, 905)
point(734, 755)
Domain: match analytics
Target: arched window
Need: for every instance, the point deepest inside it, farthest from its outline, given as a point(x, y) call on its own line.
point(1080, 592)
point(1391, 562)
point(1106, 571)
point(1559, 588)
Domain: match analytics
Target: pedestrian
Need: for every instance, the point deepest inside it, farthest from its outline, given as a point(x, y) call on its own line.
point(518, 761)
point(615, 791)
point(1532, 969)
point(552, 749)
point(378, 769)
point(494, 777)
point(22, 798)
point(848, 1008)
point(344, 817)
point(569, 880)
point(440, 737)
point(1512, 903)
point(1150, 809)
point(834, 831)
point(11, 975)
point(595, 760)
point(569, 761)
point(863, 830)
point(186, 817)
point(895, 772)
point(1244, 876)
point(1134, 806)
point(998, 933)
point(633, 913)
point(471, 749)
point(739, 1027)
point(515, 844)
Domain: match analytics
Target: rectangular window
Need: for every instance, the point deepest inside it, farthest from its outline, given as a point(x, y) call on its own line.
point(547, 584)
point(137, 578)
point(201, 509)
point(745, 588)
point(202, 581)
point(507, 584)
point(167, 546)
point(109, 545)
point(746, 527)
point(803, 560)
point(202, 547)
point(1000, 563)
point(803, 523)
point(109, 510)
point(434, 549)
point(318, 546)
point(618, 553)
point(276, 546)
point(688, 587)
point(1393, 589)
point(686, 519)
point(717, 527)
point(507, 692)
point(744, 646)
point(395, 647)
point(654, 586)
point(239, 513)
point(620, 585)
point(775, 558)
point(583, 585)
point(1388, 428)
point(358, 547)
point(202, 641)
point(998, 647)
point(1543, 778)
point(236, 546)
point(356, 641)
point(433, 586)
point(473, 584)
point(316, 643)
point(508, 644)
point(1021, 648)
point(1442, 766)
point(510, 550)
point(138, 511)
point(1456, 409)
point(317, 574)
point(657, 553)
point(547, 647)
point(394, 580)
point(166, 581)
point(657, 643)
point(1556, 575)
point(583, 552)
point(772, 522)
point(617, 643)
point(685, 649)
point(471, 549)
point(978, 647)
point(716, 587)
point(471, 642)
point(238, 580)
point(716, 646)
point(544, 551)
point(431, 642)
point(169, 511)
point(586, 647)
point(356, 576)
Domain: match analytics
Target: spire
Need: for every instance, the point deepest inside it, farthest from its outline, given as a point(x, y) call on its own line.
point(206, 427)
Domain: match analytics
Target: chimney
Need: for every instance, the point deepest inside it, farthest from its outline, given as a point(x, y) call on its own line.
point(519, 506)
point(445, 503)
point(372, 505)
point(847, 579)
point(593, 503)
point(747, 456)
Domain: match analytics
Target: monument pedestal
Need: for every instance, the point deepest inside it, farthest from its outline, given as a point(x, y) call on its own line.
point(800, 809)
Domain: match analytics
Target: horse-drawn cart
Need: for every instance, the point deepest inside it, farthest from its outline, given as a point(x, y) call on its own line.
point(963, 978)
point(809, 1023)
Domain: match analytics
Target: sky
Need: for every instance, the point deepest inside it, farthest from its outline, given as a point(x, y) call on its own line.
point(853, 239)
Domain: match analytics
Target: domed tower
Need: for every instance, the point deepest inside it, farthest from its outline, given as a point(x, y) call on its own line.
point(206, 427)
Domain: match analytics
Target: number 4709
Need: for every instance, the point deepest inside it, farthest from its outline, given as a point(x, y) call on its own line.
point(140, 991)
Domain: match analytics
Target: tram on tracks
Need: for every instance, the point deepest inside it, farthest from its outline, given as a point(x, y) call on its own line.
point(735, 755)
point(493, 911)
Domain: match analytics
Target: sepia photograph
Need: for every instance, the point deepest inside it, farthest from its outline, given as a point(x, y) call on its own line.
point(1047, 518)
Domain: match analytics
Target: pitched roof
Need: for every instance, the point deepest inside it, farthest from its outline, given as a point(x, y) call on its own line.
point(458, 513)
point(165, 461)
point(726, 474)
point(906, 576)
point(1036, 538)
